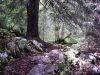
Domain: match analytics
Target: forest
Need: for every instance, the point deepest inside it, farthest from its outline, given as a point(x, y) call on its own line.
point(49, 37)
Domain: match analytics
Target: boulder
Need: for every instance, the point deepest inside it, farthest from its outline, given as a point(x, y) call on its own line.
point(56, 54)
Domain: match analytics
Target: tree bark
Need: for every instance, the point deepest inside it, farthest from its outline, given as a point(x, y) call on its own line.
point(32, 19)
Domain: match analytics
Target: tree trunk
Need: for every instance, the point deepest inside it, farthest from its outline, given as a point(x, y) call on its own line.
point(32, 18)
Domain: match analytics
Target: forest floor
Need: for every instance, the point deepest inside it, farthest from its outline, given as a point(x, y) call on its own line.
point(57, 60)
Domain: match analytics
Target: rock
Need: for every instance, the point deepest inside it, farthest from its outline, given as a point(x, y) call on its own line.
point(45, 59)
point(17, 38)
point(22, 43)
point(91, 6)
point(31, 48)
point(42, 69)
point(38, 70)
point(51, 68)
point(94, 70)
point(38, 45)
point(3, 56)
point(54, 55)
point(41, 59)
point(61, 58)
point(99, 69)
point(97, 9)
point(17, 41)
point(97, 55)
point(11, 46)
point(13, 49)
point(17, 45)
point(92, 58)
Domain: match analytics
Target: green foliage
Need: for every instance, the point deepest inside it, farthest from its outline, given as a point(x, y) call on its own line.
point(12, 15)
point(50, 74)
point(2, 64)
point(4, 34)
point(61, 67)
